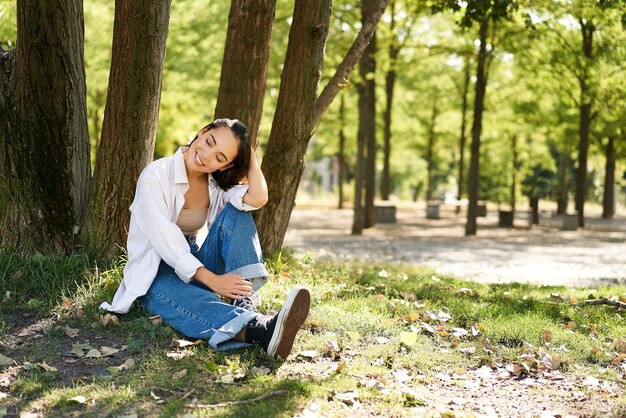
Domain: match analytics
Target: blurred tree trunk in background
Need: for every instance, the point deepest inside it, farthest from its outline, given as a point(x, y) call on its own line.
point(430, 149)
point(587, 29)
point(298, 110)
point(130, 121)
point(465, 92)
point(515, 168)
point(390, 82)
point(562, 200)
point(44, 141)
point(341, 155)
point(608, 198)
point(244, 67)
point(367, 111)
point(479, 104)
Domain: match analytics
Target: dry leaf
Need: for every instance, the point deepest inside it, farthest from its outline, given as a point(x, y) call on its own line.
point(596, 350)
point(260, 371)
point(571, 325)
point(310, 354)
point(382, 340)
point(547, 335)
point(550, 362)
point(333, 348)
point(6, 361)
point(459, 332)
point(591, 381)
point(108, 351)
point(378, 297)
point(181, 343)
point(72, 332)
point(80, 399)
point(46, 367)
point(156, 320)
point(108, 319)
point(467, 350)
point(621, 345)
point(180, 374)
point(618, 359)
point(77, 350)
point(93, 353)
point(25, 333)
point(127, 364)
point(349, 398)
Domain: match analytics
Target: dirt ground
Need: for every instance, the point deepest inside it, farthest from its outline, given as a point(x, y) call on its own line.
point(543, 254)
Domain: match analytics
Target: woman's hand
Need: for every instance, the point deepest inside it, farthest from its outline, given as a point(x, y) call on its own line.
point(229, 285)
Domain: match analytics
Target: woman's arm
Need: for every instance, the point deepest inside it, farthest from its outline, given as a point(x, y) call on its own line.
point(257, 187)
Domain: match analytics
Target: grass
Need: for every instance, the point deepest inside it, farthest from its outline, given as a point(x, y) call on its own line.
point(367, 322)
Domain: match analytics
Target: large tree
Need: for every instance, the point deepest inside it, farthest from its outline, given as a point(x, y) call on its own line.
point(299, 110)
point(244, 67)
point(130, 119)
point(44, 144)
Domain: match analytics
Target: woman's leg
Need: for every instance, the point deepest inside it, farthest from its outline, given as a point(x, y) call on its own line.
point(232, 246)
point(194, 311)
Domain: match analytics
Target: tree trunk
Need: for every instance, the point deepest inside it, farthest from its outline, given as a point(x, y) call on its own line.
point(390, 82)
point(342, 153)
point(244, 66)
point(466, 82)
point(367, 110)
point(534, 206)
point(562, 201)
point(292, 127)
point(587, 29)
point(430, 150)
point(283, 162)
point(515, 169)
point(481, 87)
point(130, 121)
point(358, 220)
point(608, 198)
point(44, 140)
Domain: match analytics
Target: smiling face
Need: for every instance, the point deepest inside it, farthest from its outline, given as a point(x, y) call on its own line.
point(213, 150)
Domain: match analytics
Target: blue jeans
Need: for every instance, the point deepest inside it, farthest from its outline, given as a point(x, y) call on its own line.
point(232, 246)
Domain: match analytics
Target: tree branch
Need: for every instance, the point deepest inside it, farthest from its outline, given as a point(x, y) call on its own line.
point(603, 301)
point(229, 403)
point(340, 78)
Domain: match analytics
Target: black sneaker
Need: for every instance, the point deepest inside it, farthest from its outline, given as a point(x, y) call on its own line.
point(279, 333)
point(249, 303)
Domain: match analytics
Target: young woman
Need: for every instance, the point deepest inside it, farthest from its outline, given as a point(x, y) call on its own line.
point(192, 242)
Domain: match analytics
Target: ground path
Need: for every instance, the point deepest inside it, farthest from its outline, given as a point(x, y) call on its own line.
point(543, 254)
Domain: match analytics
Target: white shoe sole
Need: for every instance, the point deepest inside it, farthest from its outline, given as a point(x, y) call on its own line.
point(290, 318)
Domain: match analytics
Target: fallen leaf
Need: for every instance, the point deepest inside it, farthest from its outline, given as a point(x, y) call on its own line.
point(378, 297)
point(156, 320)
point(79, 399)
point(408, 338)
point(402, 376)
point(260, 371)
point(181, 343)
point(333, 348)
point(458, 401)
point(467, 350)
point(25, 333)
point(310, 354)
point(227, 379)
point(551, 362)
point(93, 353)
point(618, 359)
point(571, 325)
point(547, 335)
point(108, 319)
point(621, 345)
point(349, 398)
point(46, 367)
point(7, 295)
point(459, 332)
point(108, 351)
point(72, 332)
point(6, 361)
point(591, 382)
point(77, 350)
point(180, 374)
point(382, 340)
point(128, 364)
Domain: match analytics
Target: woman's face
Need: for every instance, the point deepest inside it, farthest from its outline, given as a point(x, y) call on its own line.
point(213, 150)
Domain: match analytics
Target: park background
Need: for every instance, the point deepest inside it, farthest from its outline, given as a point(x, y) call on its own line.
point(544, 81)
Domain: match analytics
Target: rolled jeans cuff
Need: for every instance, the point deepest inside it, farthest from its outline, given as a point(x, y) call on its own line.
point(256, 273)
point(222, 339)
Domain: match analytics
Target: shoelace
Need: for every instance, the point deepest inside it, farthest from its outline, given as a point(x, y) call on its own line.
point(249, 303)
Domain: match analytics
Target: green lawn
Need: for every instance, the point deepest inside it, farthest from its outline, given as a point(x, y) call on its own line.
point(380, 340)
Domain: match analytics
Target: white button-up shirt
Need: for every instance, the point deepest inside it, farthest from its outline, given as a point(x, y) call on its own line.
point(153, 234)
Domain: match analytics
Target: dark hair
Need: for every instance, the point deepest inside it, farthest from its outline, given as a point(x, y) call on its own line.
point(234, 174)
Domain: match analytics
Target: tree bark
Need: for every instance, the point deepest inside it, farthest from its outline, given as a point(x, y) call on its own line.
point(390, 82)
point(358, 220)
point(515, 168)
point(466, 82)
point(342, 149)
point(44, 140)
point(608, 198)
point(283, 162)
point(562, 201)
point(244, 66)
point(587, 29)
point(430, 150)
point(367, 111)
point(481, 87)
point(130, 121)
